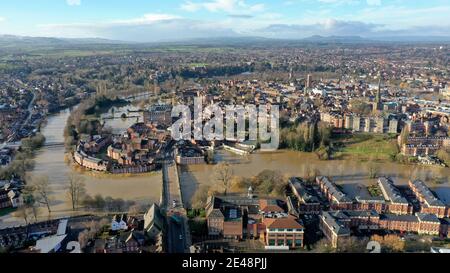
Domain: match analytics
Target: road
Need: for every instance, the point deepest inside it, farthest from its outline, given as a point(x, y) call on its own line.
point(176, 239)
point(29, 110)
point(176, 236)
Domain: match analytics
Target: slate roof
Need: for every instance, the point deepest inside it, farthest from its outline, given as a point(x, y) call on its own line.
point(334, 224)
point(426, 193)
point(390, 191)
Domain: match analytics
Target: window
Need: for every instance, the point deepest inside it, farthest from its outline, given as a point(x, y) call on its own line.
point(280, 242)
point(271, 242)
point(289, 229)
point(298, 242)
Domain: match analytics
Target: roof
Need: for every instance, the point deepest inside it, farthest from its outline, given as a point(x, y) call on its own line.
point(232, 214)
point(338, 195)
point(269, 205)
point(334, 224)
point(426, 217)
point(402, 218)
point(47, 244)
point(390, 191)
point(301, 191)
point(153, 217)
point(215, 213)
point(361, 213)
point(440, 250)
point(62, 227)
point(426, 193)
point(283, 223)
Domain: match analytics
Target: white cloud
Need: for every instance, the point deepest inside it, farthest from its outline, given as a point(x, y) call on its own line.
point(229, 6)
point(2, 19)
point(73, 2)
point(151, 27)
point(148, 18)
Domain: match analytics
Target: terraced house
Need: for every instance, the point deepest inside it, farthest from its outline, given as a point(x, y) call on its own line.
point(429, 203)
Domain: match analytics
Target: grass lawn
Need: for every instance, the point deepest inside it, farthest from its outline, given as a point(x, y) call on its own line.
point(6, 211)
point(369, 147)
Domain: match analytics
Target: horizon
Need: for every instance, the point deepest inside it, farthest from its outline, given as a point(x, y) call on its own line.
point(179, 20)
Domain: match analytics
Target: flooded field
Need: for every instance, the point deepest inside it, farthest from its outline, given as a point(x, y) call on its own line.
point(353, 175)
point(113, 118)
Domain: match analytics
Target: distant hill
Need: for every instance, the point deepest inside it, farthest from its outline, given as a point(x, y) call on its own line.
point(13, 41)
point(336, 39)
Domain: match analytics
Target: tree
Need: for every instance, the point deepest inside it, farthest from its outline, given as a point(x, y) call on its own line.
point(200, 197)
point(29, 200)
point(389, 243)
point(323, 246)
point(353, 245)
point(76, 190)
point(135, 210)
point(24, 213)
point(223, 174)
point(404, 136)
point(373, 171)
point(42, 190)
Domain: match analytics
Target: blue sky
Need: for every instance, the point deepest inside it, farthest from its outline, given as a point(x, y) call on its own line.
point(153, 20)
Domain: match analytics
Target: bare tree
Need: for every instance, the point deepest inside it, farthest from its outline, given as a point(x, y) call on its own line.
point(135, 210)
point(24, 213)
point(75, 190)
point(223, 174)
point(29, 198)
point(42, 191)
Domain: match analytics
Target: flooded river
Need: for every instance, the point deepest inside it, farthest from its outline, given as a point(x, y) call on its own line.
point(50, 161)
point(351, 174)
point(146, 188)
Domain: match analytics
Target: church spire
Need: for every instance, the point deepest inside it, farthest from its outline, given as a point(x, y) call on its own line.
point(378, 95)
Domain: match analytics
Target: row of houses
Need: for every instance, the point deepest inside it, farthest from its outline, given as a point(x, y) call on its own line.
point(89, 162)
point(338, 225)
point(357, 123)
point(423, 146)
point(391, 212)
point(391, 202)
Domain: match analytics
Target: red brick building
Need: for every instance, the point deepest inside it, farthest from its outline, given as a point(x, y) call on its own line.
point(338, 200)
point(429, 203)
point(286, 231)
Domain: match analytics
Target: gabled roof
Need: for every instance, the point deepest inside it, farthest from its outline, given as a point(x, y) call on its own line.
point(153, 217)
point(216, 213)
point(426, 193)
point(334, 224)
point(283, 223)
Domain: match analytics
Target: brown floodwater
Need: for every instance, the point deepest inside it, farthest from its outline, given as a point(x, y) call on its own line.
point(50, 161)
point(353, 175)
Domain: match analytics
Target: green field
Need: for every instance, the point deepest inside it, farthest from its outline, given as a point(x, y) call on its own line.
point(6, 211)
point(368, 147)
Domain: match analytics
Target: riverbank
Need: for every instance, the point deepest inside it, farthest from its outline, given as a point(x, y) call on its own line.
point(50, 161)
